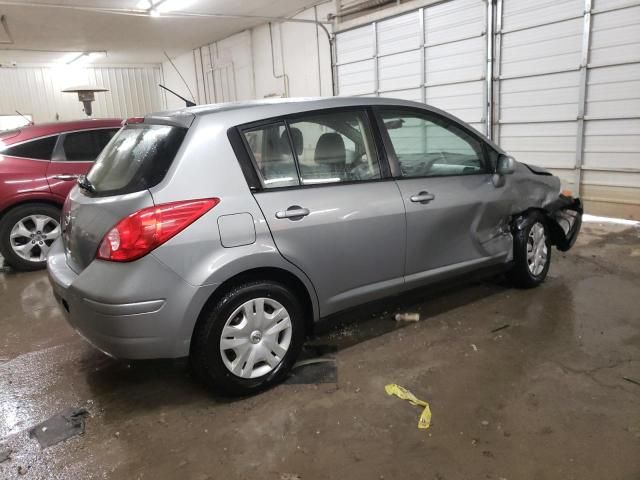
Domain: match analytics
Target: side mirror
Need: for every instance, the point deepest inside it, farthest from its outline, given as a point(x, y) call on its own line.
point(506, 165)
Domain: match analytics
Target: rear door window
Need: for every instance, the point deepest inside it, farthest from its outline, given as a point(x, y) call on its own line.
point(86, 146)
point(271, 149)
point(314, 148)
point(40, 149)
point(334, 147)
point(137, 158)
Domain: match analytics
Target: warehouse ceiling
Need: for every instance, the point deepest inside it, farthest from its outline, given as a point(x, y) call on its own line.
point(44, 30)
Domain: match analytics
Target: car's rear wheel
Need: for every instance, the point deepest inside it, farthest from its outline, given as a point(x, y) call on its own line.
point(531, 253)
point(27, 233)
point(249, 339)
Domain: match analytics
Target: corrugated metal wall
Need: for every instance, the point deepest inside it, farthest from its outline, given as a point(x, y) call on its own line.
point(36, 91)
point(566, 80)
point(434, 55)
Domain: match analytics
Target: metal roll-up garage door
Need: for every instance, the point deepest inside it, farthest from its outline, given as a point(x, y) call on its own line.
point(539, 82)
point(435, 55)
point(568, 94)
point(611, 158)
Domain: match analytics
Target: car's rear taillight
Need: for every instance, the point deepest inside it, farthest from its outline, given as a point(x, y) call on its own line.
point(139, 233)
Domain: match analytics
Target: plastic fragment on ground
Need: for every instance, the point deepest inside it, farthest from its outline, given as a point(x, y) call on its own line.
point(404, 394)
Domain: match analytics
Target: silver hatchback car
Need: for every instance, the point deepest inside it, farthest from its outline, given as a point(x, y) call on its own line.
point(225, 232)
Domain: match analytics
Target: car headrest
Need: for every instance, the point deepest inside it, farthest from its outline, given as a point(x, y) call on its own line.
point(330, 149)
point(296, 137)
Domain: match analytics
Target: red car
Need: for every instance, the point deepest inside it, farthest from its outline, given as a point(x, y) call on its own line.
point(38, 166)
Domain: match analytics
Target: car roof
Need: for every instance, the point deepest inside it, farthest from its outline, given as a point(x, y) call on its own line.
point(256, 110)
point(30, 132)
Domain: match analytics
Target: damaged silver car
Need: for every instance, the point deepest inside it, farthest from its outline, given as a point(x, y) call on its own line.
point(226, 232)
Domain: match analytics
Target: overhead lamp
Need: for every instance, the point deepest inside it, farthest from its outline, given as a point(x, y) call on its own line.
point(86, 95)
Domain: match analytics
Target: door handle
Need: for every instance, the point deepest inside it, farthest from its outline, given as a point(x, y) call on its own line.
point(294, 212)
point(66, 177)
point(422, 197)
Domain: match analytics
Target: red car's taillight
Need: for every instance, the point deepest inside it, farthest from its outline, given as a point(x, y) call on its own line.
point(139, 233)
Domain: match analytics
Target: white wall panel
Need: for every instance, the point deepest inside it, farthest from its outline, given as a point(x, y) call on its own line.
point(541, 98)
point(460, 99)
point(453, 53)
point(519, 14)
point(357, 78)
point(543, 49)
point(614, 91)
point(539, 86)
point(612, 144)
point(354, 45)
point(456, 62)
point(278, 60)
point(399, 34)
point(548, 144)
point(453, 21)
point(399, 71)
point(615, 37)
point(133, 91)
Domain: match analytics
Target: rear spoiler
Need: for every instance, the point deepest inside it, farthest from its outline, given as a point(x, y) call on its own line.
point(177, 119)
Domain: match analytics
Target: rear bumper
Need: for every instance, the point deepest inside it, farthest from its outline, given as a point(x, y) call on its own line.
point(137, 310)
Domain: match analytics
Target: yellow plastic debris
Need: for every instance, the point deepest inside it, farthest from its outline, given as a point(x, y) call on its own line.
point(404, 394)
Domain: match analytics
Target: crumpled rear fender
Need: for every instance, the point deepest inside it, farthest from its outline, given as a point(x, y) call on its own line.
point(564, 219)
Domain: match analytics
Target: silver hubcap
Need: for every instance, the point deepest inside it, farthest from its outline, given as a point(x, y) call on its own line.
point(255, 338)
point(32, 237)
point(537, 251)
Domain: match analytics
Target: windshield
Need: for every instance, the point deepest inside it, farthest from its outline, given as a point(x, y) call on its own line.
point(136, 158)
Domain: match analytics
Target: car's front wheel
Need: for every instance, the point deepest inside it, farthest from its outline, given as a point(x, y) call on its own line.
point(249, 339)
point(27, 233)
point(531, 253)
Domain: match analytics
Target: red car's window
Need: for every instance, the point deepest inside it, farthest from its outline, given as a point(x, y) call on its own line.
point(40, 149)
point(86, 146)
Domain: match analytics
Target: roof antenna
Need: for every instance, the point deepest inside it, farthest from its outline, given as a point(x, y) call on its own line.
point(30, 122)
point(188, 103)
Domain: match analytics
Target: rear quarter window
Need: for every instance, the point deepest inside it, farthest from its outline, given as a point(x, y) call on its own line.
point(138, 157)
point(40, 149)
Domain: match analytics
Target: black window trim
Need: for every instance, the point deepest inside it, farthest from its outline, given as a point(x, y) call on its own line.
point(249, 165)
point(390, 151)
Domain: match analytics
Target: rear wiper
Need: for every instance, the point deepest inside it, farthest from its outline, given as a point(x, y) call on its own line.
point(85, 184)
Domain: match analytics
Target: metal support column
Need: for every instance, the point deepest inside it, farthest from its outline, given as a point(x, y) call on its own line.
point(497, 71)
point(582, 95)
point(376, 77)
point(489, 70)
point(423, 58)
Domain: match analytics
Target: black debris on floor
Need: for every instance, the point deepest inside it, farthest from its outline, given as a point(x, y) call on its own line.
point(60, 427)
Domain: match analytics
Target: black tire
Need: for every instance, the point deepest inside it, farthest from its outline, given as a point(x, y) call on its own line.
point(7, 223)
point(520, 273)
point(206, 358)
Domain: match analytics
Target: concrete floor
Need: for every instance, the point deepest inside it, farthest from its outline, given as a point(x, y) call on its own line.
point(544, 398)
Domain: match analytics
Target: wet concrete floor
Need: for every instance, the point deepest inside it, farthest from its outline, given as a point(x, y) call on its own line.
point(544, 398)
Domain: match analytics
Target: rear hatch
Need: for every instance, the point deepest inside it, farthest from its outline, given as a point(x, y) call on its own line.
point(136, 159)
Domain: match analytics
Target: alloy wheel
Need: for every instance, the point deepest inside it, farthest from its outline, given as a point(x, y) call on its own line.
point(537, 250)
point(32, 236)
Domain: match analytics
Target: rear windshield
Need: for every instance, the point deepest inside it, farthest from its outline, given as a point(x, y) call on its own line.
point(136, 158)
